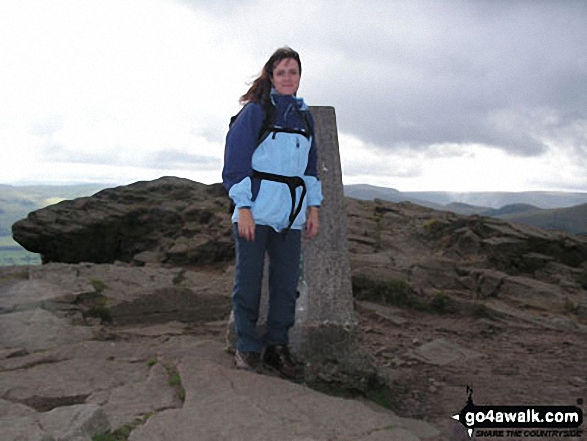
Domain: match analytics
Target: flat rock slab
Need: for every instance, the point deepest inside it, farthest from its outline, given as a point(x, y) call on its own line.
point(64, 381)
point(126, 380)
point(442, 351)
point(30, 294)
point(223, 403)
point(130, 380)
point(390, 314)
point(39, 329)
point(71, 423)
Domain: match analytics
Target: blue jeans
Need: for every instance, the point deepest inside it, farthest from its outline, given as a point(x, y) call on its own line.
point(284, 256)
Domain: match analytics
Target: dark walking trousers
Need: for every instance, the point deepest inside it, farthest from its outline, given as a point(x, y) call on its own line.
point(283, 250)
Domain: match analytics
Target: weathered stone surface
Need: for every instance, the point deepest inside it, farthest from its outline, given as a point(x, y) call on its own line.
point(326, 260)
point(39, 329)
point(441, 351)
point(532, 278)
point(471, 259)
point(177, 220)
point(9, 409)
point(225, 404)
point(142, 374)
point(143, 295)
point(71, 423)
point(151, 394)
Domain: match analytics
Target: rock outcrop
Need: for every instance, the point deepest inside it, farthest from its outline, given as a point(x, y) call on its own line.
point(474, 260)
point(471, 259)
point(169, 220)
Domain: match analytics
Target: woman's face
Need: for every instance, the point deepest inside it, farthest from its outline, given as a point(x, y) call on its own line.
point(286, 76)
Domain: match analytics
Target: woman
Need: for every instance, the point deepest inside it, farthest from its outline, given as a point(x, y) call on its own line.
point(270, 172)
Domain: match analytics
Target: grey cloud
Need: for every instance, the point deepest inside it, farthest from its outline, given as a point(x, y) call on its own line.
point(55, 152)
point(359, 167)
point(163, 159)
point(172, 159)
point(415, 73)
point(520, 57)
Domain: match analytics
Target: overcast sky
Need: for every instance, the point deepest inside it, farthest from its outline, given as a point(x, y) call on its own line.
point(429, 95)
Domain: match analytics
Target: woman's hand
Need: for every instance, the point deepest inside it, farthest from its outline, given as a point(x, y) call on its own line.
point(312, 222)
point(246, 224)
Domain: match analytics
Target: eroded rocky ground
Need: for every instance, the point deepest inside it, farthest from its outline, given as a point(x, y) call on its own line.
point(496, 306)
point(112, 346)
point(140, 353)
point(444, 301)
point(431, 358)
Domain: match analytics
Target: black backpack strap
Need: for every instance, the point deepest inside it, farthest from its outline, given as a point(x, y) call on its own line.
point(276, 130)
point(292, 183)
point(269, 128)
point(309, 125)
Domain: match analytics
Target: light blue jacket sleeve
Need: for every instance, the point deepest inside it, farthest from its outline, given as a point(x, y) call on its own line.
point(314, 189)
point(241, 193)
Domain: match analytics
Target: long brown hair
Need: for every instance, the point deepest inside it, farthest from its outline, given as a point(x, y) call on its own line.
point(260, 90)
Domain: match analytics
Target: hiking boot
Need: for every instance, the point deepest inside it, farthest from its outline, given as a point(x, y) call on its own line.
point(278, 358)
point(248, 361)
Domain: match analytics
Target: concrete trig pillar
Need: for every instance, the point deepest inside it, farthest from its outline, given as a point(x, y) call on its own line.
point(328, 320)
point(325, 320)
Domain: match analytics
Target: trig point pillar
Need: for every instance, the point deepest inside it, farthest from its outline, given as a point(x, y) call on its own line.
point(325, 319)
point(325, 324)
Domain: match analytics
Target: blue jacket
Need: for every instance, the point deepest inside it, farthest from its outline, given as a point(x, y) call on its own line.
point(286, 154)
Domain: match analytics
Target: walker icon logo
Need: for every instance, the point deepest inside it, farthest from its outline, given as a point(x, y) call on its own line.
point(520, 421)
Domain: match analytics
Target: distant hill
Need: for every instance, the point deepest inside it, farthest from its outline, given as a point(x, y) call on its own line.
point(554, 210)
point(495, 200)
point(540, 199)
point(571, 219)
point(465, 209)
point(512, 209)
point(371, 192)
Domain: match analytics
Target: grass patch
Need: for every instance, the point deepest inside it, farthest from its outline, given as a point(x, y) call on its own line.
point(152, 362)
point(120, 434)
point(570, 307)
point(180, 277)
point(381, 396)
point(175, 381)
point(430, 225)
point(98, 285)
point(94, 305)
point(20, 274)
point(123, 432)
point(395, 292)
point(114, 436)
point(101, 312)
point(372, 388)
point(441, 303)
point(481, 311)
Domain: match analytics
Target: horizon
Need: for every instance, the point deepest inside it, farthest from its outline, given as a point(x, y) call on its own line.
point(112, 185)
